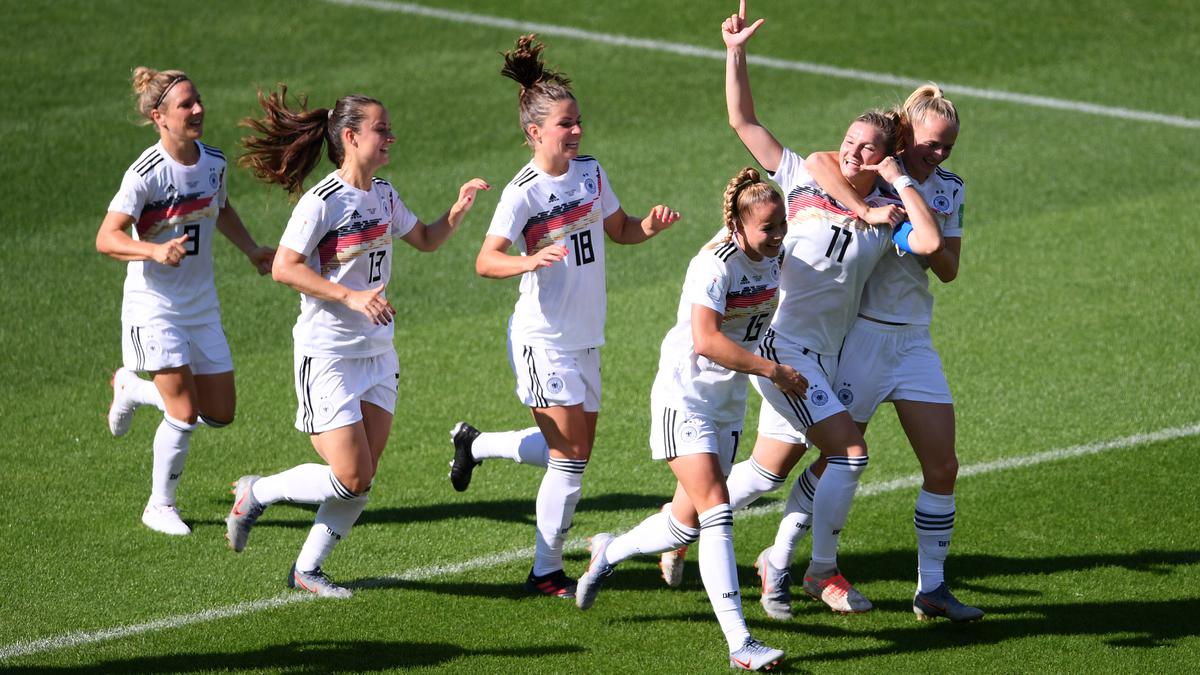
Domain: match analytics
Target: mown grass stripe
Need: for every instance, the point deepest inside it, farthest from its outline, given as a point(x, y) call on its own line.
point(503, 558)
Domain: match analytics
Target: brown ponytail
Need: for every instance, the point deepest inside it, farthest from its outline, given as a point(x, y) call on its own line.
point(540, 88)
point(287, 143)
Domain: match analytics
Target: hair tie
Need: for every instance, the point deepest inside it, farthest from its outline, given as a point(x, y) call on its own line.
point(329, 115)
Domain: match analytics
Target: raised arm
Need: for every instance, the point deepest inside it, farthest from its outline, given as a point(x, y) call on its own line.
point(823, 166)
point(626, 229)
point(739, 102)
point(428, 238)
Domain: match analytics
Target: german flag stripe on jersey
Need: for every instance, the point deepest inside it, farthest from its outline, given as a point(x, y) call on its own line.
point(164, 213)
point(341, 246)
point(544, 228)
point(751, 297)
point(806, 197)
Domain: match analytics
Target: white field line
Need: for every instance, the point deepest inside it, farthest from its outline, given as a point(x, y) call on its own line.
point(767, 62)
point(496, 559)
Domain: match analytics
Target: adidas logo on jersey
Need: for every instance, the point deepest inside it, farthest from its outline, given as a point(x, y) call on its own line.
point(356, 215)
point(553, 197)
point(745, 280)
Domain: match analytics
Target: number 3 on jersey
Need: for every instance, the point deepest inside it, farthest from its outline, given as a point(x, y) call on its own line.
point(582, 243)
point(375, 273)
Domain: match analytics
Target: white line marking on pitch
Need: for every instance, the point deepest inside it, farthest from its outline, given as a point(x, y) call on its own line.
point(768, 62)
point(503, 558)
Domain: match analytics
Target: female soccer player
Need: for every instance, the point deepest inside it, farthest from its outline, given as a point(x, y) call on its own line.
point(889, 355)
point(337, 252)
point(698, 404)
point(829, 257)
point(557, 211)
point(175, 199)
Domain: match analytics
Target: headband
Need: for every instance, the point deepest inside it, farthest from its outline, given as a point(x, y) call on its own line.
point(174, 81)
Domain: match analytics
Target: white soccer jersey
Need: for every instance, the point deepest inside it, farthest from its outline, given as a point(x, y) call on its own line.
point(168, 200)
point(561, 306)
point(828, 261)
point(347, 235)
point(898, 289)
point(723, 278)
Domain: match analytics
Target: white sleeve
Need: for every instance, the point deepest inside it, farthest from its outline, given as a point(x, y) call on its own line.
point(791, 171)
point(707, 282)
point(511, 215)
point(306, 226)
point(403, 220)
point(131, 196)
point(609, 204)
point(954, 222)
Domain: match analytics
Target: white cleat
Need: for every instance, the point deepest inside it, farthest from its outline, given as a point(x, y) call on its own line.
point(316, 582)
point(164, 518)
point(754, 655)
point(671, 563)
point(833, 589)
point(120, 413)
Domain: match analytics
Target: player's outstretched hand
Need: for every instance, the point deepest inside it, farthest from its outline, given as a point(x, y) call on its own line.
point(170, 252)
point(372, 303)
point(547, 256)
point(734, 30)
point(660, 218)
point(789, 381)
point(466, 199)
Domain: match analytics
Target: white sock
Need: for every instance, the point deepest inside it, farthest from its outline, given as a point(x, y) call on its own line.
point(556, 500)
point(719, 573)
point(143, 392)
point(831, 506)
point(527, 446)
point(748, 481)
point(796, 521)
point(306, 484)
point(934, 521)
point(334, 520)
point(171, 443)
point(660, 532)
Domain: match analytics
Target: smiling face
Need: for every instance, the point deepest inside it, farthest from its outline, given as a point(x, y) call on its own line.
point(556, 140)
point(932, 141)
point(762, 229)
point(864, 145)
point(180, 116)
point(369, 145)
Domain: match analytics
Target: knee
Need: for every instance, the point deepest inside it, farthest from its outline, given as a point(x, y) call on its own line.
point(216, 422)
point(942, 472)
point(357, 482)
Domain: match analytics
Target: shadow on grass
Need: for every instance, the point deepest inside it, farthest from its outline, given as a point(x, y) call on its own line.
point(503, 510)
point(306, 657)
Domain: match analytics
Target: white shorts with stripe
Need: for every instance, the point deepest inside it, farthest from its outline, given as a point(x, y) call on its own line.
point(880, 362)
point(784, 417)
point(330, 391)
point(549, 377)
point(676, 433)
point(159, 346)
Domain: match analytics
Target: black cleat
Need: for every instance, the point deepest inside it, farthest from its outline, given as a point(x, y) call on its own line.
point(464, 462)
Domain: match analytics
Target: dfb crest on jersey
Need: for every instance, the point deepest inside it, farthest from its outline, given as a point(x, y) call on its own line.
point(325, 410)
point(819, 397)
point(941, 203)
point(555, 384)
point(213, 180)
point(690, 429)
point(845, 396)
point(589, 185)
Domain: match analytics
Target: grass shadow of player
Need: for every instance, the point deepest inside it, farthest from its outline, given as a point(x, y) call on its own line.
point(358, 656)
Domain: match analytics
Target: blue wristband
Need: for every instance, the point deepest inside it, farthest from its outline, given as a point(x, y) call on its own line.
point(900, 236)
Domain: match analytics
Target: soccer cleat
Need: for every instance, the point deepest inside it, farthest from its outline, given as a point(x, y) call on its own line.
point(671, 564)
point(164, 518)
point(835, 591)
point(754, 655)
point(941, 602)
point(316, 582)
point(246, 510)
point(464, 463)
point(776, 587)
point(598, 570)
point(120, 413)
point(556, 584)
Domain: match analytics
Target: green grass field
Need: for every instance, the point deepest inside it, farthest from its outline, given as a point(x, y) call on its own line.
point(1072, 325)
